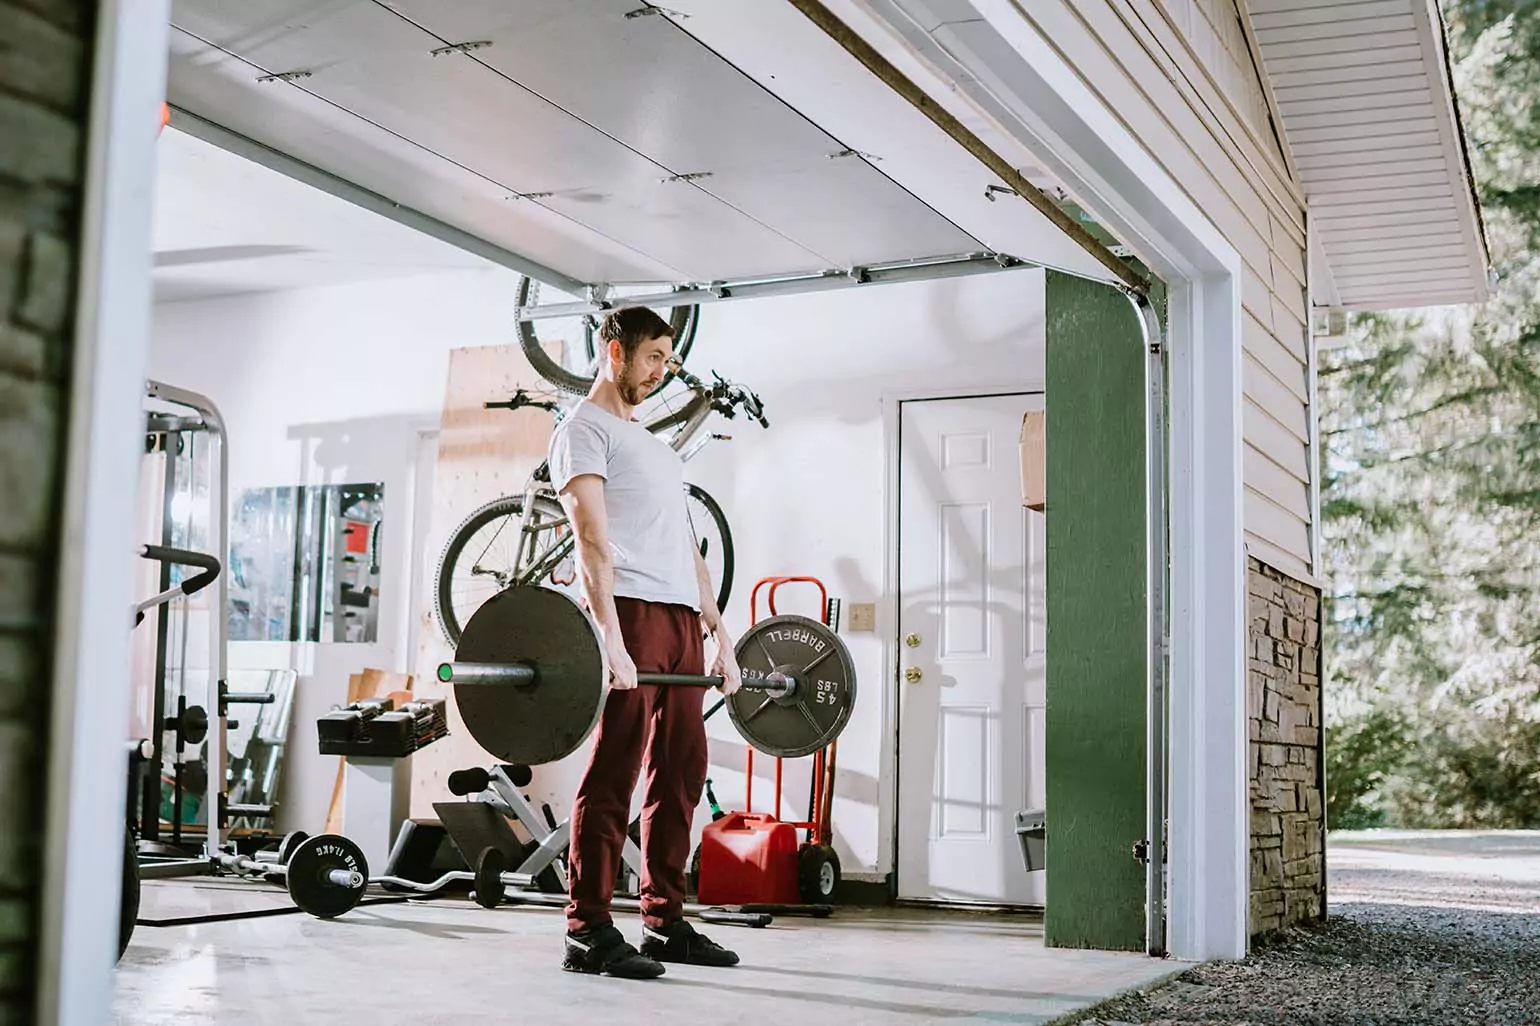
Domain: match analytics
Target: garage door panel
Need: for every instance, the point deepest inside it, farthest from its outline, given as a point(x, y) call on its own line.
point(688, 229)
point(381, 68)
point(215, 86)
point(640, 80)
point(241, 26)
point(654, 88)
point(840, 211)
point(606, 139)
point(378, 66)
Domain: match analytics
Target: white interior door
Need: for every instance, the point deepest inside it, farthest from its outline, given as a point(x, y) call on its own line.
point(971, 652)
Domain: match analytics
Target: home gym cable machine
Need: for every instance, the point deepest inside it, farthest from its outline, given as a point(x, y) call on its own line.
point(188, 726)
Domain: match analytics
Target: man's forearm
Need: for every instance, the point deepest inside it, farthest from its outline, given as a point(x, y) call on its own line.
point(710, 615)
point(597, 569)
point(584, 506)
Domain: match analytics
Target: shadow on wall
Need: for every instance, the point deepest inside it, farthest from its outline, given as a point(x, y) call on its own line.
point(727, 755)
point(357, 448)
point(373, 449)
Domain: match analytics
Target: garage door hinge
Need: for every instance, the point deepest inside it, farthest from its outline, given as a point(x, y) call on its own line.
point(460, 47)
point(284, 76)
point(642, 12)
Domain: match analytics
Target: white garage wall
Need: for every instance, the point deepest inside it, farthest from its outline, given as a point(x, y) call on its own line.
point(330, 385)
point(363, 366)
point(808, 496)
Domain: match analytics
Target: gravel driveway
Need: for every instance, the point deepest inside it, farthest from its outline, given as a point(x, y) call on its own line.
point(1423, 928)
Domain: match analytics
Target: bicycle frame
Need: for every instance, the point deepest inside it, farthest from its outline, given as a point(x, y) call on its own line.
point(534, 563)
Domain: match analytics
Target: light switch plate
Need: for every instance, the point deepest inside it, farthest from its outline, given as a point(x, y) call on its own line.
point(863, 616)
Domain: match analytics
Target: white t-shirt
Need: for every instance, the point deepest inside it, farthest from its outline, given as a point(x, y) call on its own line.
point(644, 494)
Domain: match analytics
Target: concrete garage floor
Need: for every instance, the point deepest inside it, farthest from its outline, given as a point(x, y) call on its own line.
point(449, 961)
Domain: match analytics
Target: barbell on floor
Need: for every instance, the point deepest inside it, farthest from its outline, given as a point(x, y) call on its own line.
point(530, 677)
point(325, 875)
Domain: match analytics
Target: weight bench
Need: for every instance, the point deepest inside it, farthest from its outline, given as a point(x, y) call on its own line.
point(482, 822)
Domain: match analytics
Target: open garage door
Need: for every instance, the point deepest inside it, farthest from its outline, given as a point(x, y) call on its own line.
point(604, 142)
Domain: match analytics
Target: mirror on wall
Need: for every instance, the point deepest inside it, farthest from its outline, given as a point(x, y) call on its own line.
point(305, 563)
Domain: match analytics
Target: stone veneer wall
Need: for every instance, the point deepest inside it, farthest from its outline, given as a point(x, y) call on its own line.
point(45, 68)
point(1283, 704)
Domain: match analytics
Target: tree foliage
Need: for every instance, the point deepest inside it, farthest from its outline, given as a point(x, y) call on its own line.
point(1431, 496)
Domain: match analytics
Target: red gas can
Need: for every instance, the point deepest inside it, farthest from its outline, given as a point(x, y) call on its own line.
point(748, 858)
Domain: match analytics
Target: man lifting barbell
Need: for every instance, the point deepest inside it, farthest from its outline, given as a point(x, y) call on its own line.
point(531, 667)
point(650, 594)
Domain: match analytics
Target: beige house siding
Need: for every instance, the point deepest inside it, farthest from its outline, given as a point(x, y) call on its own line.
point(1180, 76)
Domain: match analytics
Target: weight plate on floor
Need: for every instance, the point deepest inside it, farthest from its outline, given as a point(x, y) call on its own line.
point(544, 721)
point(291, 841)
point(308, 875)
point(814, 715)
point(490, 889)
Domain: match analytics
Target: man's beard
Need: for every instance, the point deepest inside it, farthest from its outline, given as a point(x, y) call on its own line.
point(631, 387)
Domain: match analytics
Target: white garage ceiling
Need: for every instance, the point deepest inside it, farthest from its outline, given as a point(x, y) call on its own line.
point(600, 141)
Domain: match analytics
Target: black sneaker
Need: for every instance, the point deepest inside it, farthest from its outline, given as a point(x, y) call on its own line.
point(679, 942)
point(604, 951)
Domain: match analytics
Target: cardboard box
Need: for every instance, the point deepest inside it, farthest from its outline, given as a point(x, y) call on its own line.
point(1033, 459)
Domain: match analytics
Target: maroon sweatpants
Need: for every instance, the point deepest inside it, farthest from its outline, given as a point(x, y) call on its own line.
point(666, 724)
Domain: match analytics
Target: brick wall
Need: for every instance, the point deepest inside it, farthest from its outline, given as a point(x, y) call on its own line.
point(44, 65)
point(1283, 703)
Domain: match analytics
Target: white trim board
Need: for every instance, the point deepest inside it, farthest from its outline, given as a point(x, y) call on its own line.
point(1011, 70)
point(86, 780)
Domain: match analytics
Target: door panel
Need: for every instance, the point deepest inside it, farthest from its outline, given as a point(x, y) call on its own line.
point(971, 623)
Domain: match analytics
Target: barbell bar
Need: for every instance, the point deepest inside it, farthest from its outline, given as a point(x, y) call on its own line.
point(515, 675)
point(530, 679)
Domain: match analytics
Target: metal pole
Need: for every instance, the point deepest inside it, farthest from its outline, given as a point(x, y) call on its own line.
point(486, 673)
point(929, 269)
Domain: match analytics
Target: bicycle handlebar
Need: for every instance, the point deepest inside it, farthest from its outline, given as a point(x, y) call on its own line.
point(520, 400)
point(186, 557)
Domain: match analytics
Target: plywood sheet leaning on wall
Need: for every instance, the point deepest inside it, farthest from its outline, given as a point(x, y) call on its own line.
point(482, 455)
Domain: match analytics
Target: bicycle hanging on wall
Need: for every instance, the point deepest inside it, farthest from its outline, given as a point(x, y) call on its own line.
point(524, 539)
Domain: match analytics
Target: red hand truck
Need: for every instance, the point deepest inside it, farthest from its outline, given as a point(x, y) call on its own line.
point(820, 866)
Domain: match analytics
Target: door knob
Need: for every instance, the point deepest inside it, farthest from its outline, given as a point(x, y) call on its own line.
point(912, 640)
point(913, 674)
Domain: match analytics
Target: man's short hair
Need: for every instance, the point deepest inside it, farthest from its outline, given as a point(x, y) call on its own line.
point(631, 326)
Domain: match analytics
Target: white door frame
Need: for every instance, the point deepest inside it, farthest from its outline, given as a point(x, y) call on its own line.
point(997, 55)
point(87, 772)
point(888, 611)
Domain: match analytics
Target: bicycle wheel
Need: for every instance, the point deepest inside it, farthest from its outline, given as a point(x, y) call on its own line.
point(481, 558)
point(683, 319)
point(716, 542)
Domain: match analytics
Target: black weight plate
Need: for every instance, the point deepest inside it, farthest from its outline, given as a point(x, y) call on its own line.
point(309, 885)
point(826, 693)
point(291, 841)
point(490, 889)
point(549, 719)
